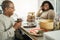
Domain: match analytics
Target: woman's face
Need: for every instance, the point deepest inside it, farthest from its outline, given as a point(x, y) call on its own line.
point(46, 6)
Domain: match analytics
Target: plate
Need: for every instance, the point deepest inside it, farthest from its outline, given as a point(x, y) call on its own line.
point(37, 32)
point(37, 35)
point(29, 26)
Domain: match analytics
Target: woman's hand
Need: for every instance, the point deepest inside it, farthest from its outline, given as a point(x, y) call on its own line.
point(39, 12)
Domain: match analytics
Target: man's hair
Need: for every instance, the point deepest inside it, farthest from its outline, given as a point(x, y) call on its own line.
point(5, 4)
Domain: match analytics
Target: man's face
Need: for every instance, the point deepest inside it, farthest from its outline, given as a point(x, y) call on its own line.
point(10, 9)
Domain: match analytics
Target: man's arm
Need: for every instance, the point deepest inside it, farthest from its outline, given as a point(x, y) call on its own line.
point(5, 34)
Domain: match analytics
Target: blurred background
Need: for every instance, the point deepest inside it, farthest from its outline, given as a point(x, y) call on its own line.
point(22, 7)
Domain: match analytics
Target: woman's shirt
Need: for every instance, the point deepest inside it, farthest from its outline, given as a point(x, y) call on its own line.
point(50, 14)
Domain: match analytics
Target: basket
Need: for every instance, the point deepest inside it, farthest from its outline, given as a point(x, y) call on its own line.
point(46, 24)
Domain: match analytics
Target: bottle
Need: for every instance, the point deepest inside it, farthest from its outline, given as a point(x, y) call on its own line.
point(33, 17)
point(56, 23)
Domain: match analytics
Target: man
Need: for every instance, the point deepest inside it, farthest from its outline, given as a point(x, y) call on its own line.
point(7, 26)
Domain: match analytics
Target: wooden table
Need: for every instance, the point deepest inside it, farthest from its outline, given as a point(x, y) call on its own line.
point(26, 31)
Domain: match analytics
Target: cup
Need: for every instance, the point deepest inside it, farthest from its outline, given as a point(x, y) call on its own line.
point(19, 20)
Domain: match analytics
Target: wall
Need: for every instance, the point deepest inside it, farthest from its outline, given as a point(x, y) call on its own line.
point(0, 6)
point(22, 7)
point(0, 3)
point(58, 7)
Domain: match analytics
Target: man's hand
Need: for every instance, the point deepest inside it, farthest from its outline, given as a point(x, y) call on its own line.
point(17, 25)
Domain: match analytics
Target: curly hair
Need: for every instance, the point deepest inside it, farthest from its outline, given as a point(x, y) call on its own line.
point(50, 5)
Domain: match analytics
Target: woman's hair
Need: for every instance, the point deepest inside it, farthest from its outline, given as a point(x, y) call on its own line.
point(50, 5)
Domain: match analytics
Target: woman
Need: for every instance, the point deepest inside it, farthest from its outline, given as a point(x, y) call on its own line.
point(46, 11)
